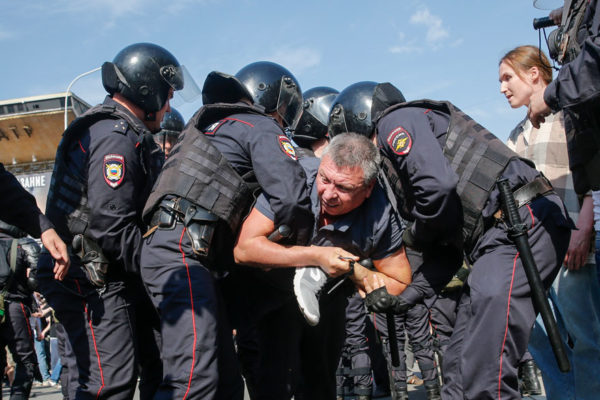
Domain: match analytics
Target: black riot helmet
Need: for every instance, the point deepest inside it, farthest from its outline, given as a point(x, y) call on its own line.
point(357, 106)
point(274, 88)
point(11, 230)
point(143, 73)
point(313, 122)
point(172, 123)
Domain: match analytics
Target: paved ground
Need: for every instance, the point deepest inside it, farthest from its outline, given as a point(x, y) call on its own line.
point(54, 393)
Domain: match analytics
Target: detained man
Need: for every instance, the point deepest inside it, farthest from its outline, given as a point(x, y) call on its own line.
point(353, 221)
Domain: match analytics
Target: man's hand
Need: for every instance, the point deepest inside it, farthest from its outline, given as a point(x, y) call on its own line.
point(330, 259)
point(58, 250)
point(556, 15)
point(538, 109)
point(377, 298)
point(579, 249)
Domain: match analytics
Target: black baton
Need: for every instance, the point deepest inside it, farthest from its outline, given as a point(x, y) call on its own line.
point(280, 233)
point(392, 339)
point(517, 232)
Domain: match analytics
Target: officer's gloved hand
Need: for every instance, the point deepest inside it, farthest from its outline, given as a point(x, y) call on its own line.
point(380, 301)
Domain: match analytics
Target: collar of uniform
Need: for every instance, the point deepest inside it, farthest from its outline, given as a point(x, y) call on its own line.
point(138, 125)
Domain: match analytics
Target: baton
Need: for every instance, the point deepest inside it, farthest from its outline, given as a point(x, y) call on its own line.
point(281, 232)
point(517, 232)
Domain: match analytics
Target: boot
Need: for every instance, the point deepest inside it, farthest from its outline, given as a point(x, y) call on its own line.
point(528, 379)
point(433, 390)
point(400, 394)
point(363, 392)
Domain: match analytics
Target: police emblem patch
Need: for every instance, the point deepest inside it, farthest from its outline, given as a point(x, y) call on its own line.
point(400, 141)
point(287, 147)
point(114, 169)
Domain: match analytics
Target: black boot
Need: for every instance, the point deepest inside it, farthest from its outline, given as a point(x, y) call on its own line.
point(363, 392)
point(528, 379)
point(400, 394)
point(433, 390)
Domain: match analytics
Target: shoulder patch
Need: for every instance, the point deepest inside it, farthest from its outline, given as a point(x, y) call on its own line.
point(114, 169)
point(400, 141)
point(212, 128)
point(120, 126)
point(287, 147)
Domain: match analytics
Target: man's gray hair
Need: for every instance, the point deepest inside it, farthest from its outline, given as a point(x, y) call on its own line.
point(354, 150)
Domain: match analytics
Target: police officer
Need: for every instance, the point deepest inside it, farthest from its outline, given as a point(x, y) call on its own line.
point(18, 207)
point(443, 168)
point(575, 91)
point(18, 256)
point(105, 167)
point(170, 128)
point(232, 145)
point(311, 133)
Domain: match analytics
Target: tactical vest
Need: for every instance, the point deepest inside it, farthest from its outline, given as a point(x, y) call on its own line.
point(474, 153)
point(67, 197)
point(197, 171)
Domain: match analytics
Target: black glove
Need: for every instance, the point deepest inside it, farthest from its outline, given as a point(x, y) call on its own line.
point(380, 301)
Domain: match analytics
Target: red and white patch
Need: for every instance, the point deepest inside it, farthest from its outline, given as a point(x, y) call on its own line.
point(114, 169)
point(400, 141)
point(287, 147)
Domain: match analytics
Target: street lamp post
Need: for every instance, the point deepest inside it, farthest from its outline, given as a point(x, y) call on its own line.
point(69, 88)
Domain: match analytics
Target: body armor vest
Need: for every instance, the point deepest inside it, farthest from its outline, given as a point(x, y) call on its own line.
point(67, 204)
point(197, 171)
point(474, 153)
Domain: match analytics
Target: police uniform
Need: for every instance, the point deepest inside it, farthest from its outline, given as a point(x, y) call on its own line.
point(575, 92)
point(448, 166)
point(15, 331)
point(19, 207)
point(106, 164)
point(369, 231)
point(196, 206)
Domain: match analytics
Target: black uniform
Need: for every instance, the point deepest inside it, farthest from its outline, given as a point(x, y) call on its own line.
point(105, 167)
point(15, 331)
point(19, 207)
point(197, 204)
point(448, 173)
point(576, 91)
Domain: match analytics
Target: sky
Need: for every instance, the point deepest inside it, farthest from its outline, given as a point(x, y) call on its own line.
point(436, 49)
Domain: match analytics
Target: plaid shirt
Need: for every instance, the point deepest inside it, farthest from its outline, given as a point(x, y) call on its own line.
point(547, 148)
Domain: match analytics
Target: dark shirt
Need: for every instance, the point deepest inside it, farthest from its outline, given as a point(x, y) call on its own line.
point(372, 230)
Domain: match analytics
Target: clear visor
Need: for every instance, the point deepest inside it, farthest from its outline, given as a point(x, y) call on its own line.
point(289, 103)
point(548, 4)
point(185, 87)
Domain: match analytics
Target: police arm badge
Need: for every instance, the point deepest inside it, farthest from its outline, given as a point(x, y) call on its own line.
point(114, 169)
point(287, 147)
point(400, 141)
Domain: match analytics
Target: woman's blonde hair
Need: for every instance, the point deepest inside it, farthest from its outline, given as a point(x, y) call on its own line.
point(523, 58)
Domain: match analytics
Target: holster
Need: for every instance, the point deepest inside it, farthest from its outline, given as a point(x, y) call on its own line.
point(200, 223)
point(95, 263)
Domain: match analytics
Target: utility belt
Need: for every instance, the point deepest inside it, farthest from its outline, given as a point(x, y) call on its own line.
point(200, 223)
point(525, 194)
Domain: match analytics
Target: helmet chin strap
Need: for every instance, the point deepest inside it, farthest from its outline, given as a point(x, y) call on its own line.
point(150, 116)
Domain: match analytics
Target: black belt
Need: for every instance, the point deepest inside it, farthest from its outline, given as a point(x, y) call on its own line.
point(538, 187)
point(176, 209)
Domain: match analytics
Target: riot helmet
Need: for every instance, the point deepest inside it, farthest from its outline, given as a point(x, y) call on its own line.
point(171, 126)
point(274, 88)
point(143, 73)
point(357, 107)
point(313, 122)
point(12, 230)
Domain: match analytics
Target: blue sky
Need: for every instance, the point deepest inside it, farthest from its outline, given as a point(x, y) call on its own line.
point(439, 49)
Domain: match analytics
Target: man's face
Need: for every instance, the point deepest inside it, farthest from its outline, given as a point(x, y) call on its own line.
point(340, 189)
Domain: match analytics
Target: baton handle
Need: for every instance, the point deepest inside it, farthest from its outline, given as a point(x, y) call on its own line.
point(517, 232)
point(281, 232)
point(392, 339)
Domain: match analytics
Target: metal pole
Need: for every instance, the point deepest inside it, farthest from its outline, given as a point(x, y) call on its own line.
point(69, 88)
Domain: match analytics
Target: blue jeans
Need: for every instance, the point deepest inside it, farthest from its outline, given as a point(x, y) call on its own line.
point(41, 350)
point(575, 298)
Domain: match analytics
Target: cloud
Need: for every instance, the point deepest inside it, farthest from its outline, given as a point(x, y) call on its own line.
point(296, 60)
point(5, 35)
point(436, 34)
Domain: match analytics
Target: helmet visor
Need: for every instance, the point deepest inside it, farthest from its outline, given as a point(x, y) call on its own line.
point(181, 81)
point(337, 121)
point(289, 102)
